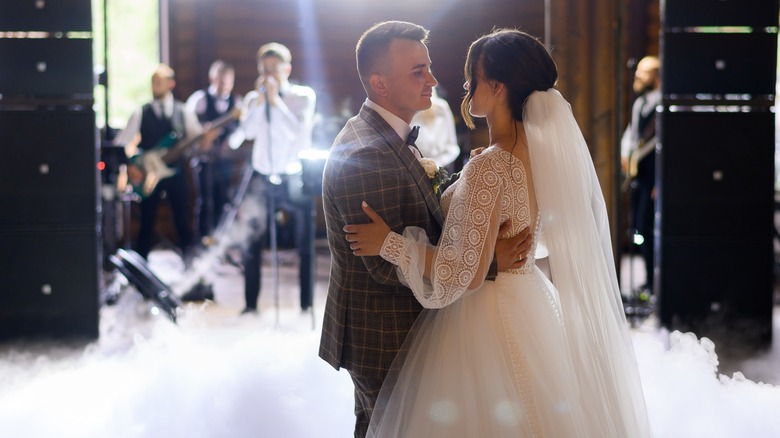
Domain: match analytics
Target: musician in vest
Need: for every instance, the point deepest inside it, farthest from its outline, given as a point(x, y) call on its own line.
point(214, 169)
point(157, 138)
point(278, 117)
point(638, 161)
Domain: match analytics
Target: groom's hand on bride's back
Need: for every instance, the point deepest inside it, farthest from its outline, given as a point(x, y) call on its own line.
point(512, 252)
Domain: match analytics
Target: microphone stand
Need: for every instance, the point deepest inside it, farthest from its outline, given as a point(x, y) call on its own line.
point(271, 195)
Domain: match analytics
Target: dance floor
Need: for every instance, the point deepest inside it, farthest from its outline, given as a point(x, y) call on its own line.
point(220, 374)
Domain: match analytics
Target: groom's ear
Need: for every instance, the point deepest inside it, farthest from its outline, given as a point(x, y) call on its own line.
point(378, 84)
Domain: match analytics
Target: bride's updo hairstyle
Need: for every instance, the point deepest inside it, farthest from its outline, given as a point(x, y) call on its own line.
point(513, 58)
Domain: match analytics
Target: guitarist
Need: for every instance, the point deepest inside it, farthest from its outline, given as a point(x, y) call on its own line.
point(638, 160)
point(150, 127)
point(214, 169)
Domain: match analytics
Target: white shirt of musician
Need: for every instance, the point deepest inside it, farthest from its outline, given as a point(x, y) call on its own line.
point(275, 150)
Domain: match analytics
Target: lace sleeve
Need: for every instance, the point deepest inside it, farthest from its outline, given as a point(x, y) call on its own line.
point(439, 275)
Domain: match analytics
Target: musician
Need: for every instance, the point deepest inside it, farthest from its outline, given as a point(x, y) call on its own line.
point(638, 160)
point(214, 169)
point(279, 118)
point(161, 123)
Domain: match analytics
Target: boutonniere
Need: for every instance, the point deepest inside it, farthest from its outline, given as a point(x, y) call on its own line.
point(438, 175)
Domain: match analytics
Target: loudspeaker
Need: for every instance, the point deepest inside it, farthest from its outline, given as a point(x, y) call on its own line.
point(46, 68)
point(690, 13)
point(49, 229)
point(51, 16)
point(717, 284)
point(716, 174)
point(50, 260)
point(714, 253)
point(718, 63)
point(48, 174)
point(715, 167)
point(50, 281)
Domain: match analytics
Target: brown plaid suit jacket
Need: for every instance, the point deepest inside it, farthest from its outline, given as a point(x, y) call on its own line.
point(369, 312)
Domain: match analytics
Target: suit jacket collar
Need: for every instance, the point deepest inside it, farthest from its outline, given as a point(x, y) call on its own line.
point(401, 127)
point(400, 148)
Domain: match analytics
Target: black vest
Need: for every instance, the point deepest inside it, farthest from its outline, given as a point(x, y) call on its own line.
point(154, 129)
point(211, 108)
point(211, 113)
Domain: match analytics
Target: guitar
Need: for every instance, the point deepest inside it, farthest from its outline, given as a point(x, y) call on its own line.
point(154, 162)
point(644, 149)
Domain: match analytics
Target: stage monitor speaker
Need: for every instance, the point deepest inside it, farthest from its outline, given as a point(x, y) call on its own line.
point(48, 173)
point(690, 13)
point(50, 282)
point(137, 272)
point(715, 202)
point(46, 68)
point(46, 16)
point(718, 63)
point(716, 174)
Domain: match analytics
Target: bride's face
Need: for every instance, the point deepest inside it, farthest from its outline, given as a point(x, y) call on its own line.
point(482, 98)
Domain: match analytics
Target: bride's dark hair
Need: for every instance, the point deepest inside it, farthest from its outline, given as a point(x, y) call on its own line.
point(514, 58)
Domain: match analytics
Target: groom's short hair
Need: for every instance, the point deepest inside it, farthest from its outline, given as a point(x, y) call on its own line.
point(373, 45)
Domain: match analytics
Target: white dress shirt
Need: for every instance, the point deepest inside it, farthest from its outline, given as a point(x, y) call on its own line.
point(291, 123)
point(399, 126)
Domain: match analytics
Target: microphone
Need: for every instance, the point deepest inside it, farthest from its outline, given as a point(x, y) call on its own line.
point(267, 106)
point(263, 89)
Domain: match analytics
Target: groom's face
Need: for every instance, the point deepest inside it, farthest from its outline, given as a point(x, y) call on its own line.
point(408, 79)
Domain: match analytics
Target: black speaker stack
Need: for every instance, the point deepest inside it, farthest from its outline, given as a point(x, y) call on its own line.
point(715, 168)
point(50, 261)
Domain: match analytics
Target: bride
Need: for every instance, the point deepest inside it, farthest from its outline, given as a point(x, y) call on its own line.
point(521, 356)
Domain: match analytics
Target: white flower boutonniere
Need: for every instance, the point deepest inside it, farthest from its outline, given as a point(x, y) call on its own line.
point(438, 175)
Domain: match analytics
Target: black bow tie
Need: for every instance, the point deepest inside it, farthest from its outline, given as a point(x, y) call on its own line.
point(413, 136)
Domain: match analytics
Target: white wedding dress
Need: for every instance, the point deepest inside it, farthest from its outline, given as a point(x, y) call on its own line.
point(500, 358)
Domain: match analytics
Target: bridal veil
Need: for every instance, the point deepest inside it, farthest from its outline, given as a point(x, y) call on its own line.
point(577, 236)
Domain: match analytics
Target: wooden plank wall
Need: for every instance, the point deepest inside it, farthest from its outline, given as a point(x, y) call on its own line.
point(586, 37)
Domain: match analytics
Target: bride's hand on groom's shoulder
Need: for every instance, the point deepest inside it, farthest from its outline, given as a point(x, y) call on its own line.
point(367, 239)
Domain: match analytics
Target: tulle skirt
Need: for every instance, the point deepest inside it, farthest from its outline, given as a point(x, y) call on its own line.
point(493, 364)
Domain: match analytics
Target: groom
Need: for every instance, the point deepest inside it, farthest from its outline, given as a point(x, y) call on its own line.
point(369, 312)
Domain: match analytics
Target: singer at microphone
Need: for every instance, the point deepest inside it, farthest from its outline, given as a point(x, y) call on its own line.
point(278, 119)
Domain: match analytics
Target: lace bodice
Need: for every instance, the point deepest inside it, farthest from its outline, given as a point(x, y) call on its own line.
point(492, 189)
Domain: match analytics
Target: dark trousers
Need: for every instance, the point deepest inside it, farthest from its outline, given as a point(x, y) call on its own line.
point(366, 394)
point(213, 182)
point(286, 196)
point(643, 221)
point(178, 197)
